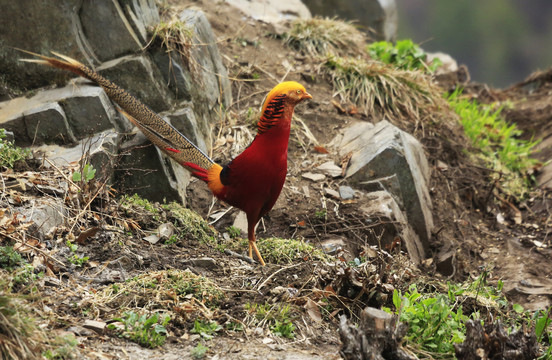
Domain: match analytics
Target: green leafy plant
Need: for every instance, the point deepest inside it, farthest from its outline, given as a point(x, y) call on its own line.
point(405, 55)
point(148, 331)
point(64, 348)
point(233, 231)
point(21, 272)
point(433, 323)
point(320, 215)
point(87, 175)
point(276, 316)
point(9, 258)
point(234, 326)
point(207, 329)
point(9, 153)
point(136, 201)
point(542, 321)
point(199, 351)
point(499, 143)
point(172, 240)
point(78, 260)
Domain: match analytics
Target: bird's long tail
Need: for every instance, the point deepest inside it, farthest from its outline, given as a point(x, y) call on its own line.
point(157, 129)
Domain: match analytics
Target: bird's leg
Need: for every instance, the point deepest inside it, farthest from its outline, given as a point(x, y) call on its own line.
point(253, 245)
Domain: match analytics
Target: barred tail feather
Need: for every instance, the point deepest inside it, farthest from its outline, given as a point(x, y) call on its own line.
point(159, 131)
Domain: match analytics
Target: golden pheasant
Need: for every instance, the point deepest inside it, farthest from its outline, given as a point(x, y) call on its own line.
point(252, 181)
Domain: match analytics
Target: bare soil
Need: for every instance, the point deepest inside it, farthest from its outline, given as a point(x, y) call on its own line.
point(465, 214)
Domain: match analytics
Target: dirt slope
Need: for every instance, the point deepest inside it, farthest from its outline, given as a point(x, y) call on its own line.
point(465, 218)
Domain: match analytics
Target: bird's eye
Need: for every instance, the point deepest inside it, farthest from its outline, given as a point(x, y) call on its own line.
point(299, 91)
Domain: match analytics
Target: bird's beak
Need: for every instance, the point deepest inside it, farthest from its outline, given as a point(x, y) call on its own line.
point(306, 96)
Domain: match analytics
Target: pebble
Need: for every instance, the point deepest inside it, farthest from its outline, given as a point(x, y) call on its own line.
point(330, 168)
point(346, 192)
point(95, 325)
point(313, 176)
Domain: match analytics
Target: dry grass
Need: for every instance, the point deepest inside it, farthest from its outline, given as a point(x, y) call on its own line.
point(167, 290)
point(384, 90)
point(323, 36)
point(176, 37)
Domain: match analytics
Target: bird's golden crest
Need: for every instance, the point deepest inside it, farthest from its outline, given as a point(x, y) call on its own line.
point(283, 88)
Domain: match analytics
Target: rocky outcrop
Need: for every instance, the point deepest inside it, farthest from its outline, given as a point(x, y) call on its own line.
point(272, 11)
point(381, 16)
point(75, 121)
point(391, 166)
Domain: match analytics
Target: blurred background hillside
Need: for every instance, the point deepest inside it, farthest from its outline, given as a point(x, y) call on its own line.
point(501, 41)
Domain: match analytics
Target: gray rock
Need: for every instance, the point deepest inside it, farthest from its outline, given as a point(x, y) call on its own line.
point(240, 222)
point(60, 115)
point(382, 151)
point(333, 245)
point(136, 75)
point(176, 75)
point(95, 325)
point(329, 168)
point(100, 151)
point(47, 123)
point(108, 30)
point(80, 331)
point(272, 11)
point(205, 262)
point(89, 111)
point(331, 193)
point(346, 192)
point(313, 177)
point(211, 69)
point(144, 170)
point(45, 215)
point(184, 120)
point(381, 210)
point(379, 15)
point(39, 26)
point(141, 14)
point(152, 239)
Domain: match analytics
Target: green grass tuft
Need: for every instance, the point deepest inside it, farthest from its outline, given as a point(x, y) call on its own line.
point(9, 153)
point(501, 148)
point(287, 251)
point(148, 331)
point(276, 316)
point(190, 223)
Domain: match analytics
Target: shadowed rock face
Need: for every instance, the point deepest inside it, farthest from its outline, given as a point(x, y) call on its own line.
point(385, 158)
point(68, 122)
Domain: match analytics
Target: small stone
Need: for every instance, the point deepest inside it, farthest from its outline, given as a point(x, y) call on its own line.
point(332, 246)
point(95, 325)
point(330, 168)
point(331, 193)
point(240, 222)
point(152, 239)
point(205, 262)
point(346, 192)
point(313, 177)
point(81, 331)
point(166, 230)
